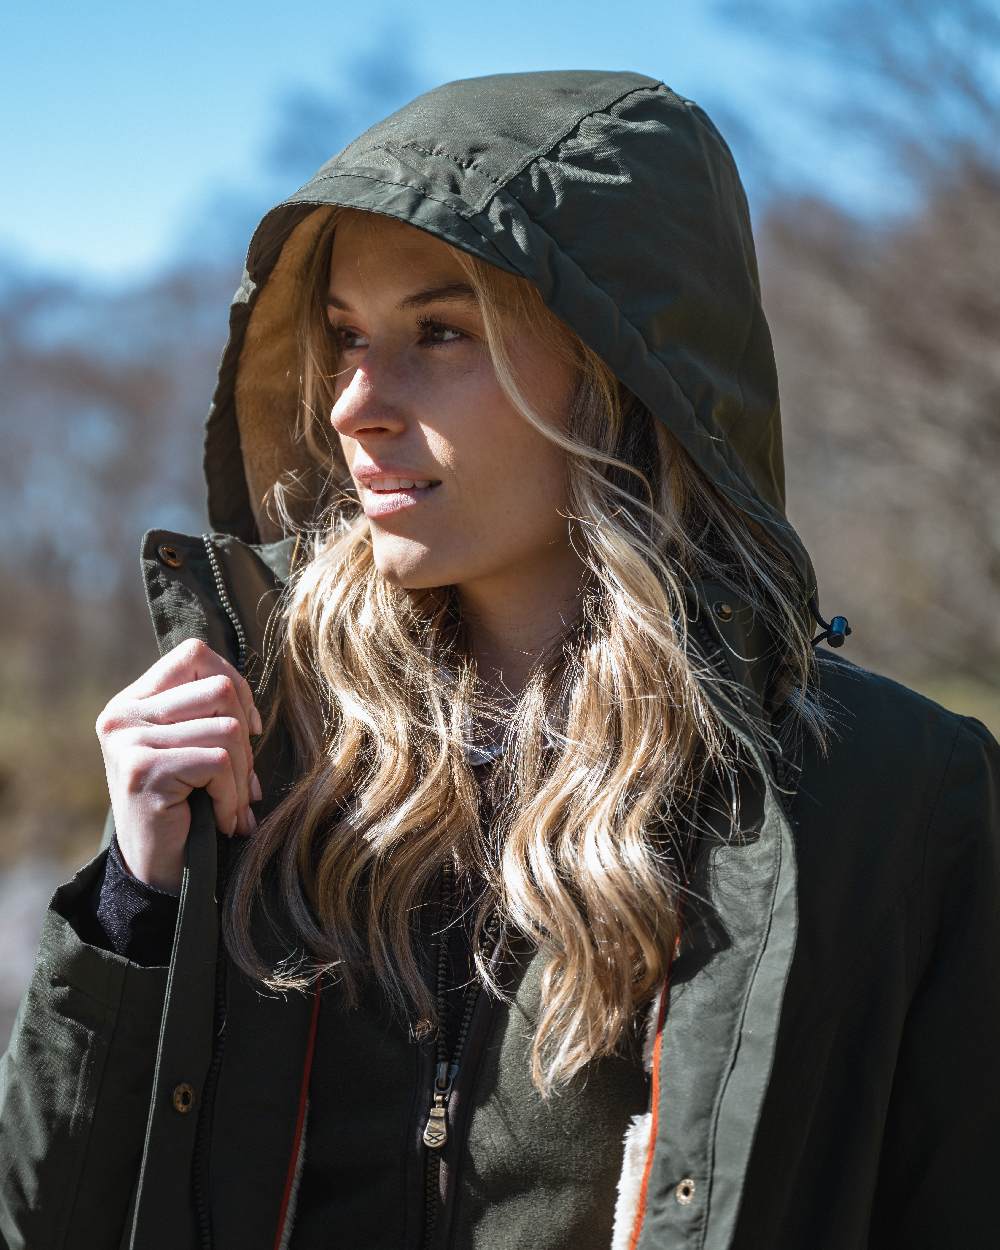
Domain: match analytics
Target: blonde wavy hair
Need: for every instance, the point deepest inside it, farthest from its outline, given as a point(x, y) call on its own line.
point(584, 848)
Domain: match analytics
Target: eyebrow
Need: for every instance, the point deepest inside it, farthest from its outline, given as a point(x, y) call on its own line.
point(431, 295)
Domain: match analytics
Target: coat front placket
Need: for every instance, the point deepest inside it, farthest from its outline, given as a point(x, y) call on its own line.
point(725, 994)
point(161, 1213)
point(176, 1203)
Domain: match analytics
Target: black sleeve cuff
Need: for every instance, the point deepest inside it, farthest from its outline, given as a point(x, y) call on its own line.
point(133, 919)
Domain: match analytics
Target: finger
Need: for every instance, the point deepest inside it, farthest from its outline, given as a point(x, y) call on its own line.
point(228, 732)
point(189, 661)
point(204, 699)
point(209, 767)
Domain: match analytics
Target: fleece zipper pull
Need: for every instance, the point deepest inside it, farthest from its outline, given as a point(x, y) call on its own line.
point(436, 1128)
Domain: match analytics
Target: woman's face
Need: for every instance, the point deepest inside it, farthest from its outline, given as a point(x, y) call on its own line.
point(417, 398)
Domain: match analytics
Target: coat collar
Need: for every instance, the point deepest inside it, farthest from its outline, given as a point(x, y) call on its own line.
point(222, 589)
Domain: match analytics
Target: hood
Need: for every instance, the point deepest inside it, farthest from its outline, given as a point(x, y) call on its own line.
point(616, 196)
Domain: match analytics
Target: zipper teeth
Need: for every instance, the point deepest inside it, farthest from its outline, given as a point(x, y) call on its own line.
point(202, 1131)
point(431, 1178)
point(220, 586)
point(442, 976)
point(432, 1172)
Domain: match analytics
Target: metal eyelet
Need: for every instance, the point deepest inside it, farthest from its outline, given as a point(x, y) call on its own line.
point(183, 1097)
point(723, 610)
point(684, 1192)
point(170, 555)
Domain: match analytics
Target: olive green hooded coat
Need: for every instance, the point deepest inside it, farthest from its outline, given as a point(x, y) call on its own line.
point(823, 1060)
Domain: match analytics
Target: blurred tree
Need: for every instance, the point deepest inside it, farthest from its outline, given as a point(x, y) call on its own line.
point(912, 82)
point(100, 417)
point(887, 331)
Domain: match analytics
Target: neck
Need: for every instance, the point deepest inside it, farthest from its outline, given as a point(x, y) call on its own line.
point(511, 622)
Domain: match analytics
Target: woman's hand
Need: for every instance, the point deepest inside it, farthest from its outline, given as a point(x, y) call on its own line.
point(186, 722)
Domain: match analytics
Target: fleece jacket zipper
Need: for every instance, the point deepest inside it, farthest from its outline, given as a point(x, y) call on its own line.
point(444, 1126)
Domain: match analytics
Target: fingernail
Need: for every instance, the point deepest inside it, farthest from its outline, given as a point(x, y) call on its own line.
point(255, 789)
point(251, 820)
point(258, 723)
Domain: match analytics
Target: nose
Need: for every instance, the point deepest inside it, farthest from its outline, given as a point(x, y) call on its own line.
point(369, 401)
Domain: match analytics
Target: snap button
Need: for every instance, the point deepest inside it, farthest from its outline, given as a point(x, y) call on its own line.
point(684, 1192)
point(183, 1097)
point(170, 555)
point(723, 610)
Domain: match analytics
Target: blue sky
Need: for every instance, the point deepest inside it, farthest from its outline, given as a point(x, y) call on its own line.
point(121, 121)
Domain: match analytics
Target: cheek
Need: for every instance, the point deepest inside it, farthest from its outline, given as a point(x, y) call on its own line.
point(514, 481)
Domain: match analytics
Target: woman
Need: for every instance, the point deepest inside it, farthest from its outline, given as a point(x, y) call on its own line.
point(567, 895)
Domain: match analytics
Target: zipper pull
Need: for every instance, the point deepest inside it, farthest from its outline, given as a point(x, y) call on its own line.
point(436, 1128)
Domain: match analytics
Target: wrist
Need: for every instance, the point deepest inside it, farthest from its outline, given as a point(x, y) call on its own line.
point(155, 873)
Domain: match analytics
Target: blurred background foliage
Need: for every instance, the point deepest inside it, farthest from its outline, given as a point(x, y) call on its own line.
point(886, 330)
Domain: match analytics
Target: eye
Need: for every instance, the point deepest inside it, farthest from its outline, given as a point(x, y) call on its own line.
point(432, 331)
point(430, 326)
point(342, 335)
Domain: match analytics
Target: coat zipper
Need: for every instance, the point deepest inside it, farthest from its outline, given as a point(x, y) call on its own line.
point(227, 606)
point(199, 1175)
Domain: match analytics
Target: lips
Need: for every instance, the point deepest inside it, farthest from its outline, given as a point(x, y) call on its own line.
point(368, 473)
point(380, 503)
point(388, 485)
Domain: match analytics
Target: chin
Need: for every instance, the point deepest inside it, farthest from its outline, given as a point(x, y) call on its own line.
point(410, 569)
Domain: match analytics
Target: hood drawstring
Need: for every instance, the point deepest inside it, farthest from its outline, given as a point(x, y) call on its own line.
point(835, 631)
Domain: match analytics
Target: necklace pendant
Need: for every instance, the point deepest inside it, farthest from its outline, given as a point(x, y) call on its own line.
point(436, 1128)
